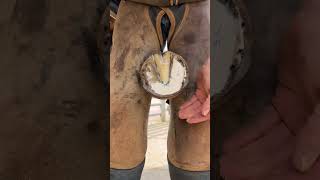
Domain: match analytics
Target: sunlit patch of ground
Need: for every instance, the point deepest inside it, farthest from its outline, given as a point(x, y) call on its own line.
point(156, 166)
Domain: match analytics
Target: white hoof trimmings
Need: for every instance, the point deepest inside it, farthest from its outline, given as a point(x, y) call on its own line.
point(164, 76)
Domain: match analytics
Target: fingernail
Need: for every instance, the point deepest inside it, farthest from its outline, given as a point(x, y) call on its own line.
point(181, 116)
point(190, 122)
point(304, 163)
point(205, 112)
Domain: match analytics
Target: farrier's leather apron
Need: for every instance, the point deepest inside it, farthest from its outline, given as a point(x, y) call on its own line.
point(160, 74)
point(135, 38)
point(164, 3)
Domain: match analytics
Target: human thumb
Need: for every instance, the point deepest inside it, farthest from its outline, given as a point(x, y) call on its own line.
point(308, 143)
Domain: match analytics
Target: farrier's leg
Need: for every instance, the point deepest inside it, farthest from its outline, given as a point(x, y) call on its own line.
point(189, 145)
point(134, 39)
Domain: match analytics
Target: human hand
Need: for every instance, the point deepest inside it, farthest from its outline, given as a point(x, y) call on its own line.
point(197, 109)
point(264, 151)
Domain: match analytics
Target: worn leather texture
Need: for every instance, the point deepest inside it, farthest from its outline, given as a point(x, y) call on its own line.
point(134, 40)
point(189, 144)
point(165, 3)
point(51, 95)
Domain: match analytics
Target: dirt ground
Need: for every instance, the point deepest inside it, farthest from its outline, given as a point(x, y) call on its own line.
point(51, 95)
point(156, 165)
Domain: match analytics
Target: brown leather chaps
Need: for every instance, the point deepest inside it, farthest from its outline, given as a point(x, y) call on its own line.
point(136, 37)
